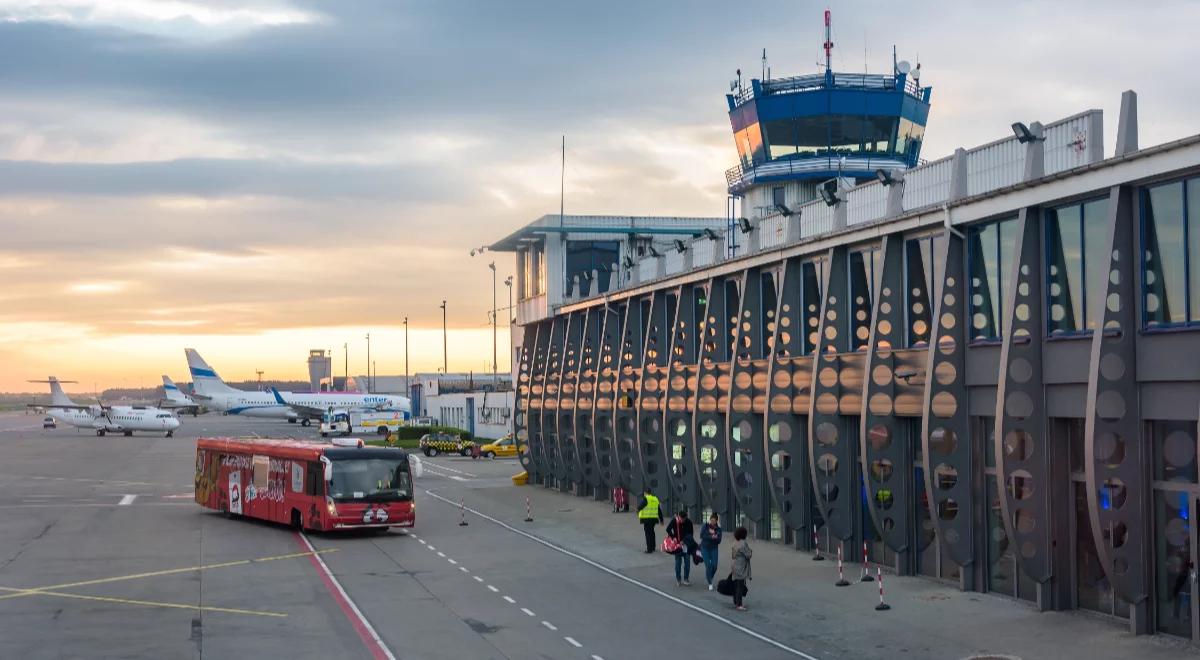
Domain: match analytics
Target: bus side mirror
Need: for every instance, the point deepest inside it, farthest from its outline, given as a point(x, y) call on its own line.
point(327, 465)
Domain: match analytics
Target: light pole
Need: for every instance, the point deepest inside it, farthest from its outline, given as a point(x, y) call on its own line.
point(345, 366)
point(407, 386)
point(370, 384)
point(508, 283)
point(495, 367)
point(445, 350)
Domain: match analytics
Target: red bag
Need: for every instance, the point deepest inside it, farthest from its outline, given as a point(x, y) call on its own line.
point(671, 546)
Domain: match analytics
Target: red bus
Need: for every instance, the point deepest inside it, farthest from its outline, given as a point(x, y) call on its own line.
point(308, 485)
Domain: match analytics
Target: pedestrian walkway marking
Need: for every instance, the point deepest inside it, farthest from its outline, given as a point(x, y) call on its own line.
point(528, 611)
point(572, 642)
point(127, 500)
point(621, 576)
point(549, 625)
point(510, 600)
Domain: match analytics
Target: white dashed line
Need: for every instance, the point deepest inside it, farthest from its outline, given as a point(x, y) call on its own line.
point(549, 625)
point(528, 611)
point(572, 642)
point(493, 589)
point(477, 578)
point(463, 569)
point(432, 548)
point(422, 541)
point(451, 560)
point(510, 600)
point(441, 554)
point(596, 657)
point(127, 500)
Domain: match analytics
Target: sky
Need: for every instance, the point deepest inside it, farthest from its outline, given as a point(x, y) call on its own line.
point(258, 178)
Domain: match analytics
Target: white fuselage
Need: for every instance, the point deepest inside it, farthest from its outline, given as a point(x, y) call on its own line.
point(119, 419)
point(264, 404)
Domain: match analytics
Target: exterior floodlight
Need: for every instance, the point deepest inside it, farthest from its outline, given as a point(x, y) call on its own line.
point(1024, 134)
point(829, 193)
point(653, 252)
point(744, 225)
point(680, 246)
point(710, 234)
point(628, 261)
point(886, 177)
point(783, 210)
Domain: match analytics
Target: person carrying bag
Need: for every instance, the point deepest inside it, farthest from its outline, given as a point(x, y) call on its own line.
point(682, 544)
point(740, 575)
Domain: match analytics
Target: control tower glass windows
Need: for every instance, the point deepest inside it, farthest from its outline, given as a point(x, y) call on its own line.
point(909, 135)
point(750, 145)
point(837, 135)
point(1171, 253)
point(1075, 244)
point(990, 249)
point(584, 257)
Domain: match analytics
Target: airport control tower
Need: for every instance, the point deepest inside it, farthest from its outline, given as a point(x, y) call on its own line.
point(796, 135)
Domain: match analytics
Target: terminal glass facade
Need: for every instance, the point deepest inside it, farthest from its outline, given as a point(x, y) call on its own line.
point(1171, 258)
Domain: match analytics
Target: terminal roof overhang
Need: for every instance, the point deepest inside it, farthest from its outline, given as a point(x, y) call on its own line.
point(616, 226)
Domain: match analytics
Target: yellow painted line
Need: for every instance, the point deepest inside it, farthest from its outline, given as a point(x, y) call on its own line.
point(171, 571)
point(146, 603)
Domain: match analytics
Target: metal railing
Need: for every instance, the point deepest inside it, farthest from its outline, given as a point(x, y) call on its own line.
point(816, 81)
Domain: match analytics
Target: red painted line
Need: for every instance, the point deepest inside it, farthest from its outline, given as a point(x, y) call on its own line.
point(365, 632)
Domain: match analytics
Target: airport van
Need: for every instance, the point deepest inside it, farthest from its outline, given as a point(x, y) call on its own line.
point(342, 422)
point(319, 486)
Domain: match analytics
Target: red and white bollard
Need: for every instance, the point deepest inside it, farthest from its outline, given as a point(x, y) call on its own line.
point(866, 567)
point(841, 576)
point(528, 511)
point(882, 605)
point(817, 546)
point(462, 508)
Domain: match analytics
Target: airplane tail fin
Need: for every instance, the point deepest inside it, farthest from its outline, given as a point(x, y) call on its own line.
point(204, 379)
point(172, 392)
point(278, 397)
point(57, 396)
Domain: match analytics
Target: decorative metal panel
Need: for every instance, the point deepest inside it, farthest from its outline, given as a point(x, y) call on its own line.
point(1118, 463)
point(945, 421)
point(537, 399)
point(1022, 444)
point(585, 433)
point(744, 434)
point(628, 384)
point(524, 387)
point(567, 465)
point(554, 365)
point(613, 319)
point(886, 461)
point(712, 394)
point(680, 443)
point(789, 377)
point(648, 468)
point(831, 454)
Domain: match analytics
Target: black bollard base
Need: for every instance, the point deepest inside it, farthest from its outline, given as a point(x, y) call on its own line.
point(818, 558)
point(866, 578)
point(841, 583)
point(882, 606)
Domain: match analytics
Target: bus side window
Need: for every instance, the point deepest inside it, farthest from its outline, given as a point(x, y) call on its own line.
point(314, 484)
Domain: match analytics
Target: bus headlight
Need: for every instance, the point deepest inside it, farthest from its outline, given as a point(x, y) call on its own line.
point(329, 506)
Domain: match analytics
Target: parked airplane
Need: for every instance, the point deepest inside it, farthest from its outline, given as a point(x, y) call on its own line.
point(292, 406)
point(104, 418)
point(175, 399)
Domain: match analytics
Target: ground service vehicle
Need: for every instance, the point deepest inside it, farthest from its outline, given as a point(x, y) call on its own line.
point(444, 443)
point(342, 422)
point(504, 447)
point(49, 423)
point(308, 485)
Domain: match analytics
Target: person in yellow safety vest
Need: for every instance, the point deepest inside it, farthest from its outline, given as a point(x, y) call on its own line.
point(649, 514)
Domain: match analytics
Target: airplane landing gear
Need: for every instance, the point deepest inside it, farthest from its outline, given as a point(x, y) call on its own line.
point(128, 434)
point(170, 434)
point(100, 432)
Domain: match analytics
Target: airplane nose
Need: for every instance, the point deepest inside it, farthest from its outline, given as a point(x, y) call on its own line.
point(173, 423)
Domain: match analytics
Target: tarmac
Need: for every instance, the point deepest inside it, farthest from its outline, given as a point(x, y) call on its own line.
point(103, 553)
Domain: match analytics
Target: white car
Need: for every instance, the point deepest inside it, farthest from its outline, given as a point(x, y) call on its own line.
point(49, 423)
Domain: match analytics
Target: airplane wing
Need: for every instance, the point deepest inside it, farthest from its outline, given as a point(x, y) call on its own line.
point(307, 411)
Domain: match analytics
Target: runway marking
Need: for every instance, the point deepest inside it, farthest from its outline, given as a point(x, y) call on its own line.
point(549, 625)
point(87, 481)
point(149, 603)
point(422, 541)
point(89, 504)
point(126, 500)
point(493, 589)
point(528, 611)
point(365, 631)
point(463, 569)
point(457, 478)
point(621, 576)
point(450, 469)
point(510, 600)
point(596, 657)
point(451, 561)
point(441, 554)
point(572, 642)
point(477, 578)
point(432, 548)
point(33, 591)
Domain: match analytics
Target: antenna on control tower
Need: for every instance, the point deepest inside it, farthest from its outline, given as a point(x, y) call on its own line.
point(828, 42)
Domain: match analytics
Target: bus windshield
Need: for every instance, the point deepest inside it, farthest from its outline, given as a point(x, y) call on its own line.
point(373, 479)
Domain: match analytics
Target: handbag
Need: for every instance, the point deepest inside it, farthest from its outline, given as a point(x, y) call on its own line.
point(697, 558)
point(725, 587)
point(670, 545)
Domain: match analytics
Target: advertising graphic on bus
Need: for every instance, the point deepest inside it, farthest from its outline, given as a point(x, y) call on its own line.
point(308, 485)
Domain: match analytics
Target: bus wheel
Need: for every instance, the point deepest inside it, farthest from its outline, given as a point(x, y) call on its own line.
point(291, 421)
point(297, 520)
point(383, 430)
point(324, 434)
point(304, 422)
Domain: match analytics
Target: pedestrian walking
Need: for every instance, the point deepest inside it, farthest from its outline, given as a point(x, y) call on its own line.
point(741, 553)
point(710, 538)
point(682, 531)
point(649, 514)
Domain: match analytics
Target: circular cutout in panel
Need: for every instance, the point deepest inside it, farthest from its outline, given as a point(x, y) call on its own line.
point(1110, 405)
point(628, 424)
point(945, 476)
point(946, 344)
point(781, 378)
point(708, 381)
point(1022, 312)
point(1018, 404)
point(742, 380)
point(1112, 367)
point(880, 404)
point(1018, 445)
point(1176, 532)
point(1025, 522)
point(827, 464)
point(1020, 370)
point(879, 437)
point(881, 470)
point(943, 441)
point(708, 454)
point(947, 509)
point(780, 432)
point(678, 427)
point(827, 434)
point(831, 495)
point(1020, 485)
point(1120, 566)
point(919, 327)
point(949, 300)
point(952, 536)
point(948, 320)
point(884, 499)
point(884, 327)
point(1110, 449)
point(885, 308)
point(708, 429)
point(1179, 449)
point(743, 431)
point(781, 460)
point(862, 333)
point(882, 375)
point(1112, 494)
point(1118, 535)
point(828, 377)
point(944, 404)
point(784, 486)
point(1028, 550)
point(827, 404)
point(945, 373)
point(1113, 302)
point(744, 481)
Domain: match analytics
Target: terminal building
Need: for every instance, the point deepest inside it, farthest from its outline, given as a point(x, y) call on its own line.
point(984, 366)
